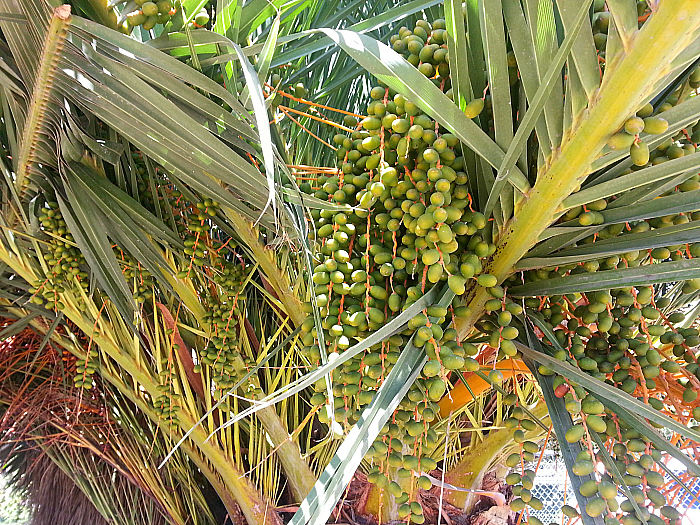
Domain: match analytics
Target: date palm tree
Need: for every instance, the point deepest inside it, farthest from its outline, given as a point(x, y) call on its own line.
point(159, 226)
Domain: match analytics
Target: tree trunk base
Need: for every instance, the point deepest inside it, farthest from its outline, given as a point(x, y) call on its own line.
point(493, 516)
point(363, 499)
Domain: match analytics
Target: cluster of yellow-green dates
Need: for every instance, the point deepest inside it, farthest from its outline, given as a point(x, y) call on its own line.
point(63, 259)
point(601, 23)
point(150, 13)
point(412, 226)
point(196, 252)
point(165, 405)
point(222, 355)
point(298, 90)
point(628, 137)
point(141, 280)
point(629, 338)
point(84, 370)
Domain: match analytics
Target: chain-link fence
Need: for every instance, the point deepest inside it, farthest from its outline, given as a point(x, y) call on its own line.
point(553, 488)
point(689, 499)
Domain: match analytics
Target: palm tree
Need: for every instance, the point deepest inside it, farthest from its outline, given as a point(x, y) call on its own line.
point(159, 185)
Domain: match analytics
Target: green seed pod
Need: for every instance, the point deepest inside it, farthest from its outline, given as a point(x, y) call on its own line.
point(378, 292)
point(646, 111)
point(394, 489)
point(595, 507)
point(588, 488)
point(164, 6)
point(655, 125)
point(569, 511)
point(427, 69)
point(513, 460)
point(596, 424)
point(654, 479)
point(587, 218)
point(150, 23)
point(202, 18)
point(517, 505)
point(457, 284)
point(424, 482)
point(487, 280)
point(634, 469)
point(508, 348)
point(509, 332)
point(381, 480)
point(471, 364)
point(607, 490)
point(529, 425)
point(414, 428)
point(675, 152)
point(536, 503)
point(377, 92)
point(656, 330)
point(431, 368)
point(496, 377)
point(650, 371)
point(492, 305)
point(416, 508)
point(574, 434)
point(513, 478)
point(136, 18)
point(530, 446)
point(435, 272)
point(318, 399)
point(591, 405)
point(690, 395)
point(639, 153)
point(436, 389)
point(583, 467)
point(474, 108)
point(453, 362)
point(299, 90)
point(149, 8)
point(657, 499)
point(430, 257)
point(634, 125)
point(620, 141)
point(676, 317)
point(444, 232)
point(636, 445)
point(427, 464)
point(670, 512)
point(371, 123)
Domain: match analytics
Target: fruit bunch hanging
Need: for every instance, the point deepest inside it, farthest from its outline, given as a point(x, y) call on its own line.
point(631, 339)
point(207, 251)
point(148, 13)
point(415, 225)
